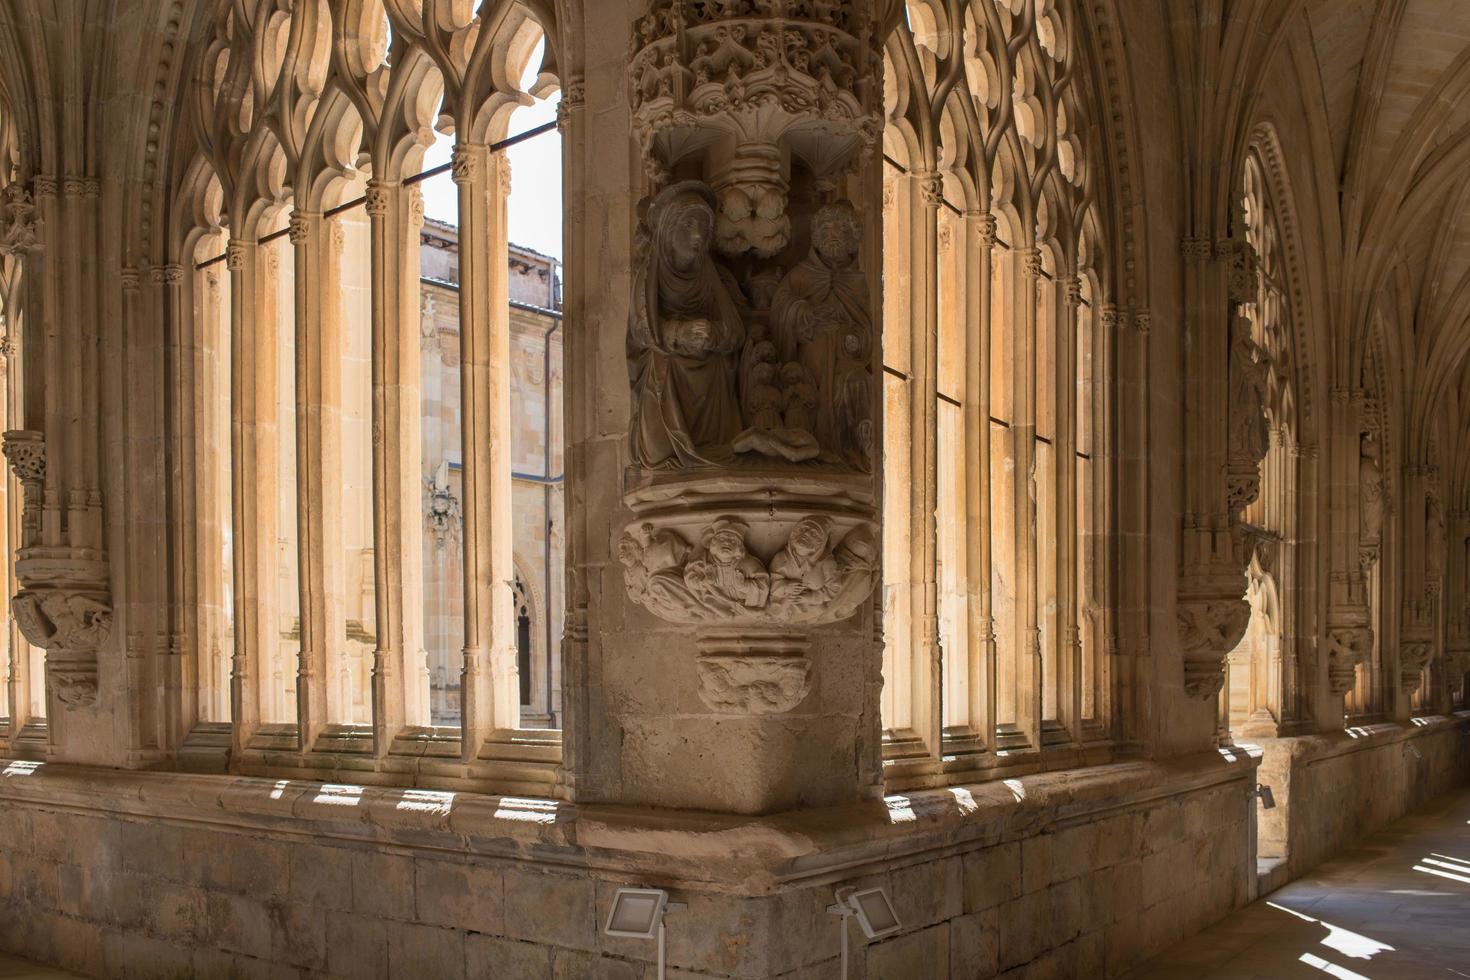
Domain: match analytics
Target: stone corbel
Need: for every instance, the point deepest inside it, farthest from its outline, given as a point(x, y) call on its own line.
point(64, 604)
point(1209, 628)
point(1346, 648)
point(1414, 656)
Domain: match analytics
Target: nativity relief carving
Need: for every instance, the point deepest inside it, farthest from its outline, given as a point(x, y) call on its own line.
point(723, 374)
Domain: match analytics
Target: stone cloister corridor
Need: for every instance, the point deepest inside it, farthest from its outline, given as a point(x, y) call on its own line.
point(735, 489)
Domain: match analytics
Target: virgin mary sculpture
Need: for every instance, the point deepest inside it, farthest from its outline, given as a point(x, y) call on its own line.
point(684, 330)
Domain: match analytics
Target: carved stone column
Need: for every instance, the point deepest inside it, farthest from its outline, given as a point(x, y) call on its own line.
point(750, 544)
point(64, 604)
point(1212, 611)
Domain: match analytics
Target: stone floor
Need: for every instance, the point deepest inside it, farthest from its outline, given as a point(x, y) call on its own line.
point(14, 969)
point(1397, 905)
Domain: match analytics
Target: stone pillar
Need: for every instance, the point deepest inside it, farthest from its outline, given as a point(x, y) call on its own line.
point(396, 213)
point(65, 603)
point(491, 694)
point(733, 638)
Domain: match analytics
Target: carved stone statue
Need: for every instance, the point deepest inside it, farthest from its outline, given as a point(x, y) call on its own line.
point(821, 320)
point(1434, 542)
point(1250, 437)
point(684, 328)
point(1370, 491)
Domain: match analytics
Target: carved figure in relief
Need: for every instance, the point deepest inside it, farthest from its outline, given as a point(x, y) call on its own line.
point(1249, 370)
point(18, 224)
point(802, 573)
point(768, 433)
point(654, 570)
point(821, 320)
point(725, 576)
point(684, 328)
point(1370, 491)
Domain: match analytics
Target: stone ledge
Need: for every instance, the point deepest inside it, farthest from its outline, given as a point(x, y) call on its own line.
point(713, 852)
point(1307, 749)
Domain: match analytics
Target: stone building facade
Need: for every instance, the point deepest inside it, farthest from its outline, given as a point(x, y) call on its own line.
point(980, 445)
point(536, 475)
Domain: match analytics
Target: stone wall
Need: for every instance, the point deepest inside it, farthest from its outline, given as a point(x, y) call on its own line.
point(1063, 874)
point(1332, 789)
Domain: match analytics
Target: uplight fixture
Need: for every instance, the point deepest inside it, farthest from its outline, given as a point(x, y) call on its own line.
point(873, 911)
point(638, 913)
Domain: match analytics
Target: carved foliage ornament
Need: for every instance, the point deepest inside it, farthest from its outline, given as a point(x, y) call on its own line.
point(812, 579)
point(1414, 656)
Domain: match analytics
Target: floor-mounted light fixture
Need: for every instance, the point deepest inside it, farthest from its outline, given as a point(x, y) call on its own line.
point(873, 911)
point(638, 913)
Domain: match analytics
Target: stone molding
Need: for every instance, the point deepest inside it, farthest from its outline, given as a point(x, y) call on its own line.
point(748, 855)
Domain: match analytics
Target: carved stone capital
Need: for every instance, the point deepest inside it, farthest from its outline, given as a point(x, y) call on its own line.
point(378, 197)
point(465, 166)
point(1072, 291)
point(931, 189)
point(131, 278)
point(986, 228)
point(43, 185)
point(1142, 322)
point(25, 450)
point(235, 255)
point(299, 227)
point(1030, 262)
point(1195, 249)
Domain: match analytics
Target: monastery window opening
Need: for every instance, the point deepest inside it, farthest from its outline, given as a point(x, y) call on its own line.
point(377, 424)
point(996, 406)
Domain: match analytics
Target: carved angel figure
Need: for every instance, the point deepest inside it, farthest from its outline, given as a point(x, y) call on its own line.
point(684, 327)
point(726, 577)
point(821, 320)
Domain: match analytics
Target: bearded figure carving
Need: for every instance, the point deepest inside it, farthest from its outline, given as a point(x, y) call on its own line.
point(822, 321)
point(683, 332)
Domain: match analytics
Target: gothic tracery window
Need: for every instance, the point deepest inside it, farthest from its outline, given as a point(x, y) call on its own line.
point(349, 446)
point(995, 397)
